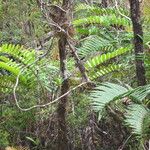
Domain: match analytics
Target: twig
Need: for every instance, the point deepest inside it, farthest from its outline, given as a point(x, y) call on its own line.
point(78, 61)
point(27, 66)
point(46, 16)
point(44, 105)
point(58, 7)
point(116, 5)
point(125, 142)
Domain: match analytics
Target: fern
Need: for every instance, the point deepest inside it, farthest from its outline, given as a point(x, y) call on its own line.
point(140, 93)
point(116, 91)
point(92, 63)
point(95, 44)
point(100, 17)
point(104, 93)
point(105, 70)
point(7, 84)
point(13, 59)
point(105, 21)
point(98, 10)
point(97, 60)
point(17, 53)
point(135, 116)
point(93, 20)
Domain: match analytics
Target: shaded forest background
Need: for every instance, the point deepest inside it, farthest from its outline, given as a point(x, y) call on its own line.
point(74, 75)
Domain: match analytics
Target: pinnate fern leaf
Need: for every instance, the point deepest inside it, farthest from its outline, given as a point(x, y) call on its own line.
point(18, 53)
point(104, 93)
point(105, 21)
point(136, 114)
point(95, 44)
point(99, 10)
point(105, 70)
point(97, 60)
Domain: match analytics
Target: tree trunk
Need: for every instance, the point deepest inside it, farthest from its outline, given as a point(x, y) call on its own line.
point(138, 41)
point(61, 110)
point(104, 3)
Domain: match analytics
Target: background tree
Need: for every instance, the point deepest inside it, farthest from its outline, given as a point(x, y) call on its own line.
point(138, 40)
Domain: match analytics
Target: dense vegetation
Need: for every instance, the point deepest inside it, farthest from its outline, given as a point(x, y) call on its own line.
point(74, 75)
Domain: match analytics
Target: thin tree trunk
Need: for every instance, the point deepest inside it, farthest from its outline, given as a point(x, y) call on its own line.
point(60, 17)
point(104, 3)
point(61, 110)
point(88, 137)
point(138, 41)
point(79, 63)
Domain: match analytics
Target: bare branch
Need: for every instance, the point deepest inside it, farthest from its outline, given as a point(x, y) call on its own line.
point(44, 105)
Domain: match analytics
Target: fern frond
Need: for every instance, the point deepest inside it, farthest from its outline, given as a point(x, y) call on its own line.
point(140, 93)
point(18, 53)
point(136, 114)
point(105, 21)
point(6, 84)
point(95, 10)
point(12, 60)
point(94, 44)
point(14, 70)
point(92, 63)
point(105, 70)
point(104, 94)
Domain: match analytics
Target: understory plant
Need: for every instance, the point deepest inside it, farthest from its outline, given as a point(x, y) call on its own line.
point(132, 103)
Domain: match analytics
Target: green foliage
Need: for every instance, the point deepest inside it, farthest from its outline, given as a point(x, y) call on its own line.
point(4, 135)
point(102, 41)
point(105, 21)
point(13, 122)
point(140, 93)
point(94, 44)
point(105, 35)
point(12, 60)
point(106, 70)
point(17, 120)
point(79, 110)
point(137, 113)
point(104, 17)
point(104, 93)
point(93, 64)
point(93, 9)
point(97, 60)
point(37, 77)
point(20, 22)
point(147, 64)
point(135, 117)
point(15, 60)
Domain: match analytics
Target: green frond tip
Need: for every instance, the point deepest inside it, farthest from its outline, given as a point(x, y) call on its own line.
point(104, 93)
point(18, 53)
point(140, 93)
point(13, 58)
point(95, 44)
point(105, 21)
point(14, 70)
point(106, 70)
point(99, 10)
point(135, 117)
point(97, 60)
